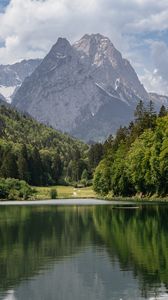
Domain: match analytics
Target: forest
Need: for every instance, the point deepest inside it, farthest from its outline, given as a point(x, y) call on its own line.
point(37, 153)
point(135, 161)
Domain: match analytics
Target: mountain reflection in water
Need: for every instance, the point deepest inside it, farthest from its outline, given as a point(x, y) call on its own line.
point(83, 253)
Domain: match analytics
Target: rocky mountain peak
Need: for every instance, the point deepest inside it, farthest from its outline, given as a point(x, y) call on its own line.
point(62, 45)
point(108, 64)
point(61, 53)
point(99, 49)
point(61, 49)
point(89, 41)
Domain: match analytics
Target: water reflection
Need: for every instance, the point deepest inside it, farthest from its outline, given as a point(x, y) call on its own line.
point(83, 253)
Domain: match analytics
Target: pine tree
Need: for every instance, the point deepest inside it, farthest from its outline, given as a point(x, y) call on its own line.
point(23, 164)
point(163, 111)
point(2, 127)
point(9, 166)
point(151, 115)
point(108, 144)
point(56, 167)
point(139, 112)
point(36, 168)
point(84, 177)
point(95, 155)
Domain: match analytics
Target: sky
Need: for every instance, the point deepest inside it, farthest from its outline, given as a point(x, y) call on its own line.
point(137, 28)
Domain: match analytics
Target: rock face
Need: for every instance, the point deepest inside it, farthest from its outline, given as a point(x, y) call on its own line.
point(109, 68)
point(86, 89)
point(158, 100)
point(3, 100)
point(12, 76)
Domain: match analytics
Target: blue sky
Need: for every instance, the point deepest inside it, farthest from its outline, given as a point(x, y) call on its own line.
point(3, 4)
point(138, 28)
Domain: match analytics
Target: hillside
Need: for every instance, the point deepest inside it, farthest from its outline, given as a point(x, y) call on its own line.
point(37, 153)
point(135, 161)
point(22, 128)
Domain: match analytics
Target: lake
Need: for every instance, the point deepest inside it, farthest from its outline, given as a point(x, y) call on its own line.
point(87, 253)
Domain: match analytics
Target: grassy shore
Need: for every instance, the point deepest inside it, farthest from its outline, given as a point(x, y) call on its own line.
point(70, 192)
point(153, 198)
point(64, 192)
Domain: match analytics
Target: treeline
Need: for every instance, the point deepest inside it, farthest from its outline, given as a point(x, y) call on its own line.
point(30, 164)
point(136, 160)
point(39, 154)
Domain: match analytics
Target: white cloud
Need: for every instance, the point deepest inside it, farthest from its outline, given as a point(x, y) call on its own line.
point(159, 54)
point(156, 22)
point(154, 82)
point(157, 80)
point(29, 28)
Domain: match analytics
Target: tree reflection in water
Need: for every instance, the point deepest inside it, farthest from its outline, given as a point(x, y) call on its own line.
point(33, 239)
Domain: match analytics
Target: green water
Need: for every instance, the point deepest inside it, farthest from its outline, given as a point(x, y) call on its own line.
point(88, 253)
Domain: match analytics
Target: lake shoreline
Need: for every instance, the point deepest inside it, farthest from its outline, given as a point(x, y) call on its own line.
point(71, 193)
point(83, 202)
point(138, 200)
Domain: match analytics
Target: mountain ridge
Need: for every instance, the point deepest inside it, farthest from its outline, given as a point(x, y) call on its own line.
point(12, 76)
point(76, 84)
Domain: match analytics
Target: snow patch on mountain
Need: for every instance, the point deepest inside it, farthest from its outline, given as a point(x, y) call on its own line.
point(117, 83)
point(104, 90)
point(12, 76)
point(7, 92)
point(119, 97)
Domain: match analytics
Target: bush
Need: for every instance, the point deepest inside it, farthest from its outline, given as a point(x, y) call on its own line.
point(14, 189)
point(84, 182)
point(53, 194)
point(3, 190)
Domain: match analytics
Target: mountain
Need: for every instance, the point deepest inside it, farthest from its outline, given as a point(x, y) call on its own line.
point(12, 76)
point(86, 89)
point(158, 100)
